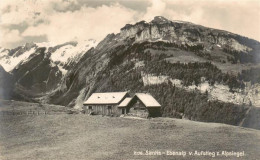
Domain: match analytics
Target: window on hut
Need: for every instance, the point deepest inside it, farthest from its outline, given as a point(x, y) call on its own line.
point(109, 107)
point(89, 107)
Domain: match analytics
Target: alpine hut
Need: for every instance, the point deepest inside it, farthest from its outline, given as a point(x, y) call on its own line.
point(141, 105)
point(104, 103)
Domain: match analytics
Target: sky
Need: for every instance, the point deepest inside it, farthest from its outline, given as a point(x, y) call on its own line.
point(59, 21)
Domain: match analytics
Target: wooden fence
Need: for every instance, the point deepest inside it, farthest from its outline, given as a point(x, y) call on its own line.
point(30, 112)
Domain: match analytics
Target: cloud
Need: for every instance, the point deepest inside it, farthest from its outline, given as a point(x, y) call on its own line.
point(156, 9)
point(237, 16)
point(83, 24)
point(60, 21)
point(60, 24)
point(9, 37)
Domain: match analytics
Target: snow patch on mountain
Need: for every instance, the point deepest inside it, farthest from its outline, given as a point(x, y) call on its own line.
point(63, 55)
point(149, 79)
point(67, 52)
point(63, 71)
point(139, 64)
point(70, 53)
point(10, 62)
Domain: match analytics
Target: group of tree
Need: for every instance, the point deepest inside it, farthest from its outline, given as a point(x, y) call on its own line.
point(189, 73)
point(192, 73)
point(238, 56)
point(252, 75)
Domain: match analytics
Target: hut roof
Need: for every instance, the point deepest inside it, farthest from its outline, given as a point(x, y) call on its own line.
point(125, 102)
point(147, 100)
point(106, 98)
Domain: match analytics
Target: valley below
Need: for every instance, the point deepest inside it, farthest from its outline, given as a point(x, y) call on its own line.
point(80, 136)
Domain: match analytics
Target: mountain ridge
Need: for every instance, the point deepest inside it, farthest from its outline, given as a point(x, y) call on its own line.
point(185, 32)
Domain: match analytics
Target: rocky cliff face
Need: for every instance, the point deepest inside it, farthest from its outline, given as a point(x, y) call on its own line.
point(161, 29)
point(248, 96)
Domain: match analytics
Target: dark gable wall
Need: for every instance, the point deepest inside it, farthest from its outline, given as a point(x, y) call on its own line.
point(146, 112)
point(154, 111)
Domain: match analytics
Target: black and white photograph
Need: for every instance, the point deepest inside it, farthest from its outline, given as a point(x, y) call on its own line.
point(129, 79)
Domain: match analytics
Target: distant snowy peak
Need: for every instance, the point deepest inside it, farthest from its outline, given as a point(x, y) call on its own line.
point(84, 45)
point(71, 53)
point(9, 59)
point(59, 54)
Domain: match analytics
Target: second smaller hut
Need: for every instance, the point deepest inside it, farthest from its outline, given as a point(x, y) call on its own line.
point(141, 105)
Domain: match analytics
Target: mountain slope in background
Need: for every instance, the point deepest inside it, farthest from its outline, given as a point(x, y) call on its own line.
point(39, 68)
point(6, 84)
point(162, 41)
point(195, 72)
